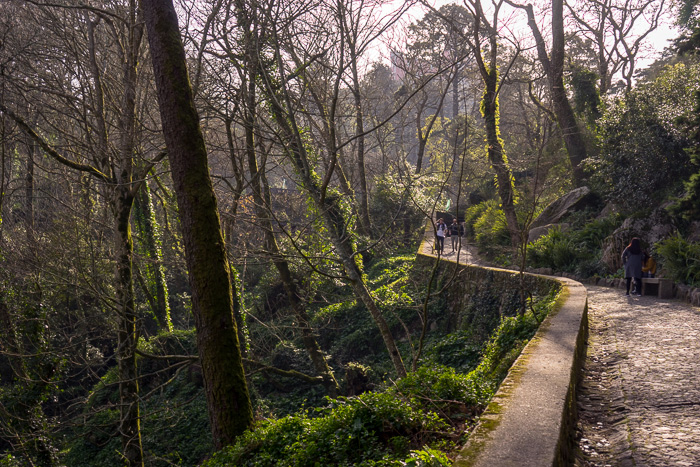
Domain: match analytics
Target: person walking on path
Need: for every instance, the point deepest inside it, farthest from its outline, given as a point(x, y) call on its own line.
point(455, 234)
point(440, 232)
point(632, 260)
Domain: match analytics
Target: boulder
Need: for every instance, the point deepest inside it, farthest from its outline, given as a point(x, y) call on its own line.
point(656, 227)
point(572, 201)
point(695, 297)
point(608, 210)
point(682, 292)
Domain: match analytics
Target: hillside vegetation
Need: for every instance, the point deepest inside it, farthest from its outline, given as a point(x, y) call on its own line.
point(210, 213)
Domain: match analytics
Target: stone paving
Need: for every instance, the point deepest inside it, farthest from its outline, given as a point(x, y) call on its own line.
point(639, 399)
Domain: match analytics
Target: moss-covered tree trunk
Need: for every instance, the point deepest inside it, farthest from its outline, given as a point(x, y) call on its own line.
point(213, 302)
point(334, 218)
point(261, 198)
point(496, 154)
point(489, 111)
point(156, 284)
point(122, 203)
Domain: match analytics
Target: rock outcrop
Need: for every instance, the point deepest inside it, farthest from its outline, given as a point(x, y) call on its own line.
point(551, 216)
point(656, 227)
point(556, 210)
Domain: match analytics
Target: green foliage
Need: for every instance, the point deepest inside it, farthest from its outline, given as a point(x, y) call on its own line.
point(680, 259)
point(390, 269)
point(409, 423)
point(642, 155)
point(509, 340)
point(576, 251)
point(490, 226)
point(446, 390)
point(349, 431)
point(554, 250)
point(398, 204)
point(10, 461)
point(586, 97)
point(373, 429)
point(460, 350)
point(427, 458)
point(175, 424)
point(688, 205)
point(473, 213)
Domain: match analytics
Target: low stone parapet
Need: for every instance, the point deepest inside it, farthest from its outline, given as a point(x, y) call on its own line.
point(530, 422)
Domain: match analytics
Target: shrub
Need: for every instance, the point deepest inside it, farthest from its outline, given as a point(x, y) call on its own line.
point(446, 390)
point(490, 226)
point(680, 259)
point(459, 350)
point(576, 251)
point(470, 217)
point(404, 425)
point(371, 429)
point(509, 340)
point(554, 250)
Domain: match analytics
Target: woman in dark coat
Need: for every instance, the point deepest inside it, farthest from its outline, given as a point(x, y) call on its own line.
point(632, 259)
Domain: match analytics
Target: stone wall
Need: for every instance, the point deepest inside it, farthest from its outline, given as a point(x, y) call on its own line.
point(477, 297)
point(530, 421)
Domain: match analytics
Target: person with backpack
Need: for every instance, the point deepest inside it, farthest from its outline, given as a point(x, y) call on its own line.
point(440, 233)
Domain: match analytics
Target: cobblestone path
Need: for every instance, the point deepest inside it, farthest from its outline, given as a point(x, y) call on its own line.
point(464, 254)
point(639, 403)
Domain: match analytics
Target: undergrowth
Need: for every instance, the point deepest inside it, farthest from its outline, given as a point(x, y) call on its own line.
point(418, 420)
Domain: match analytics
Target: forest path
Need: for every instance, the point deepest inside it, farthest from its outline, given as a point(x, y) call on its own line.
point(463, 253)
point(639, 399)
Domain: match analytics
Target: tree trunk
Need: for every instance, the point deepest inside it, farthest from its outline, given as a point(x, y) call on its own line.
point(213, 302)
point(129, 429)
point(421, 140)
point(362, 194)
point(122, 203)
point(261, 201)
point(497, 156)
point(29, 192)
point(336, 223)
point(554, 68)
point(570, 130)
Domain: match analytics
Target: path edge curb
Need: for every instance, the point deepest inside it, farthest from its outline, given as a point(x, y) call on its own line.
point(531, 420)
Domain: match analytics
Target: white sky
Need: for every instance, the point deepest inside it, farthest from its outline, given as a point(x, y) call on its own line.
point(516, 23)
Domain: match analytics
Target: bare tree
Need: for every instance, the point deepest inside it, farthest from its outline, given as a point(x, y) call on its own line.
point(619, 31)
point(109, 153)
point(486, 30)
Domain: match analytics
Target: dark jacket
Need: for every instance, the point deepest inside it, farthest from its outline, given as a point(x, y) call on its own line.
point(632, 263)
